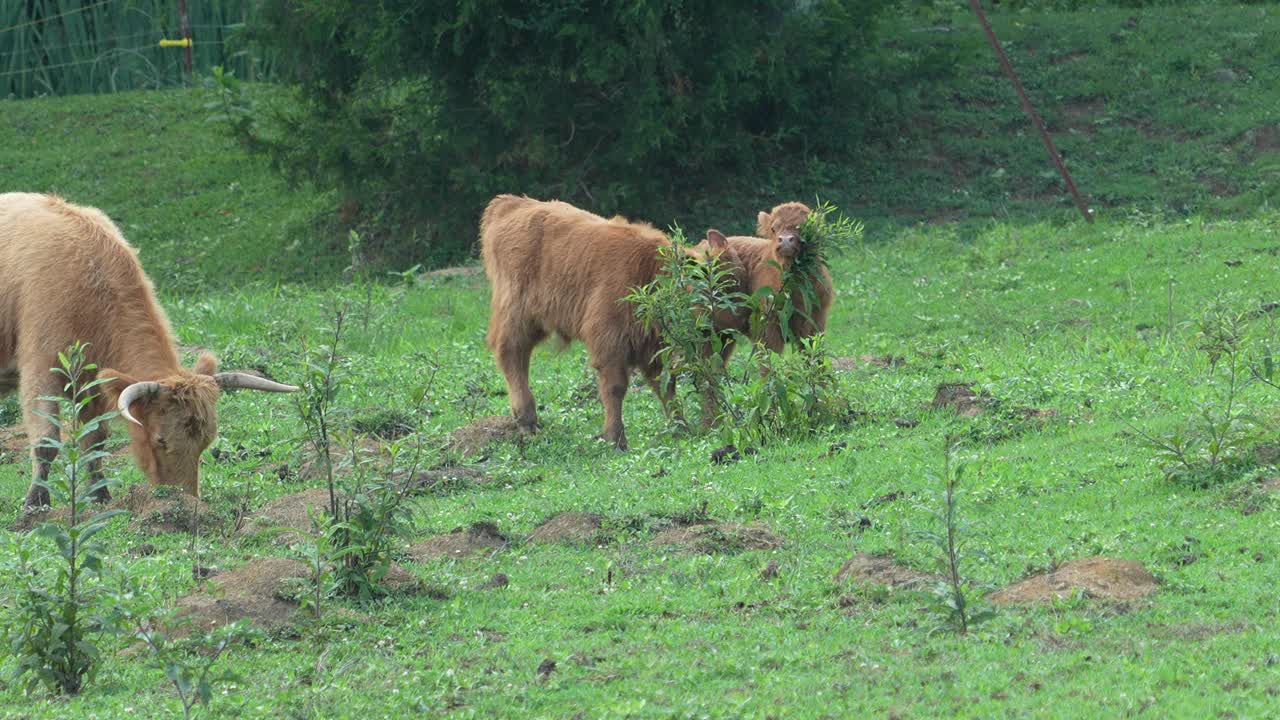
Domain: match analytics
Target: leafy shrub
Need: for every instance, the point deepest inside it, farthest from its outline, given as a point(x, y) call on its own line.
point(367, 512)
point(785, 395)
point(63, 601)
point(953, 604)
point(1215, 440)
point(419, 112)
point(681, 304)
point(188, 662)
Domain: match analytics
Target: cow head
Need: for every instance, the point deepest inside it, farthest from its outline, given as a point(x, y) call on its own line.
point(782, 226)
point(173, 419)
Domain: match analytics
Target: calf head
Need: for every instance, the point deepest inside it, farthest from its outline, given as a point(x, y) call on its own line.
point(782, 226)
point(173, 419)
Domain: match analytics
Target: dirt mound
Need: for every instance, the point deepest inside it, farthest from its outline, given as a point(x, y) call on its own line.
point(464, 272)
point(717, 537)
point(152, 509)
point(445, 479)
point(291, 512)
point(962, 398)
point(257, 592)
point(1094, 577)
point(471, 439)
point(158, 509)
point(567, 527)
point(881, 362)
point(481, 537)
point(312, 467)
point(875, 570)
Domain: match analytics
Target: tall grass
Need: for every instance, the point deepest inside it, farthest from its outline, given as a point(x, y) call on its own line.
point(63, 47)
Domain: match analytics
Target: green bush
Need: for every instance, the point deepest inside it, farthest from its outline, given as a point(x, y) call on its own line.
point(419, 112)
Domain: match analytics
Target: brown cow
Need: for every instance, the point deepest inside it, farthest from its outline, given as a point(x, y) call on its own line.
point(66, 274)
point(556, 269)
point(763, 260)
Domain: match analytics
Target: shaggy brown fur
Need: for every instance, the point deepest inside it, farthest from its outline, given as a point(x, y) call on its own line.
point(66, 274)
point(556, 269)
point(762, 261)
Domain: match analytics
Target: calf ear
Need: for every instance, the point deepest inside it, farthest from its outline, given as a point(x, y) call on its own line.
point(206, 364)
point(717, 240)
point(762, 224)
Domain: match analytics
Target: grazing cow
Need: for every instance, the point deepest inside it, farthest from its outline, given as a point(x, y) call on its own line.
point(66, 274)
point(556, 269)
point(763, 259)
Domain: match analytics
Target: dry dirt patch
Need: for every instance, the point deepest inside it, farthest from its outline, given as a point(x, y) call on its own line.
point(877, 570)
point(481, 537)
point(881, 362)
point(1096, 578)
point(289, 513)
point(258, 592)
point(962, 398)
point(476, 436)
point(443, 478)
point(568, 528)
point(152, 509)
point(717, 537)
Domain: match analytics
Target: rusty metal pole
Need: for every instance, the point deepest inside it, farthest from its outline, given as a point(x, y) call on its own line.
point(185, 27)
point(1009, 72)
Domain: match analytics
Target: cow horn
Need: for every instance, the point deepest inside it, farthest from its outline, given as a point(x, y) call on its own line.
point(136, 391)
point(245, 381)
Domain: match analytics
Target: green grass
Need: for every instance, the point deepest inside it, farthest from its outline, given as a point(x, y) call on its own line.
point(1040, 313)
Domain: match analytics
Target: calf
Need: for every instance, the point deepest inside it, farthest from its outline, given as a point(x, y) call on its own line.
point(762, 261)
point(67, 274)
point(556, 269)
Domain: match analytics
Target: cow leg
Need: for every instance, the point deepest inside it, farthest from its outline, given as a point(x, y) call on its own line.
point(512, 346)
point(611, 374)
point(38, 428)
point(92, 443)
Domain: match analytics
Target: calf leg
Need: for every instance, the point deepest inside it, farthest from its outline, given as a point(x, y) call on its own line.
point(666, 392)
point(611, 373)
point(512, 346)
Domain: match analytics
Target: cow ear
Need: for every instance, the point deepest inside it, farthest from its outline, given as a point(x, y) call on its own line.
point(762, 223)
point(206, 364)
point(717, 240)
point(115, 384)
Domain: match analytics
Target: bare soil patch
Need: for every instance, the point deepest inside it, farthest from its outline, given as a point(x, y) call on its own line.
point(882, 362)
point(291, 514)
point(867, 569)
point(479, 538)
point(165, 510)
point(1096, 578)
point(717, 537)
point(312, 467)
point(962, 398)
point(442, 479)
point(152, 509)
point(471, 439)
point(464, 272)
point(13, 445)
point(258, 592)
point(567, 528)
point(1259, 140)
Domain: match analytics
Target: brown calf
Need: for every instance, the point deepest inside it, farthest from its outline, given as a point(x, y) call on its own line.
point(67, 274)
point(556, 269)
point(763, 259)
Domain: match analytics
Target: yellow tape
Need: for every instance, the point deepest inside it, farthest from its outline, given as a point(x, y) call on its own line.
point(184, 42)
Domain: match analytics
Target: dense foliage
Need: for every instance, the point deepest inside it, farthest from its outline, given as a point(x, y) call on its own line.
point(426, 109)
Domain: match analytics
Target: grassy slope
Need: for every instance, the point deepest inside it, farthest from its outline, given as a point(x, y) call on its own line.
point(1041, 314)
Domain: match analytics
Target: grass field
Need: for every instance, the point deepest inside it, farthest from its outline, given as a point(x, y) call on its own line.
point(1065, 326)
